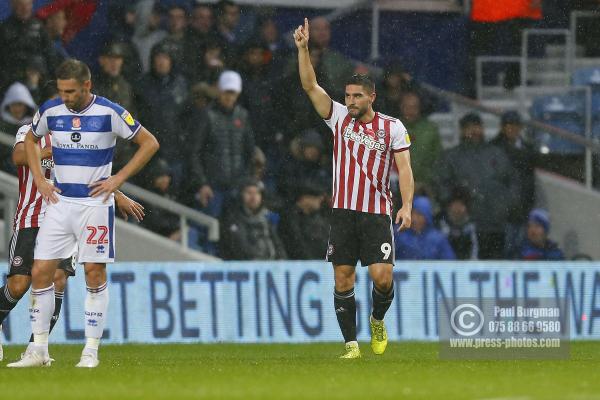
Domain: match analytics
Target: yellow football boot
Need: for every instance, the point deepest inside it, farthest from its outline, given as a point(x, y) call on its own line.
point(352, 351)
point(379, 338)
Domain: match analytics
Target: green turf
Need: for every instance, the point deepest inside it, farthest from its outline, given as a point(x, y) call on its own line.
point(406, 371)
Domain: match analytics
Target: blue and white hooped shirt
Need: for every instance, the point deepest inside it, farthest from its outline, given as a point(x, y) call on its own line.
point(83, 143)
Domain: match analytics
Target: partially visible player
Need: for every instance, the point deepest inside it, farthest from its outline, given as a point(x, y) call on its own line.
point(80, 211)
point(365, 146)
point(29, 214)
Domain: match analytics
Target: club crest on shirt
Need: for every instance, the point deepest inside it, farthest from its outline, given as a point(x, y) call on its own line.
point(76, 124)
point(128, 118)
point(381, 134)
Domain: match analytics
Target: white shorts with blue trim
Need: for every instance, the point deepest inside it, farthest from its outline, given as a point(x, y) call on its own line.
point(68, 224)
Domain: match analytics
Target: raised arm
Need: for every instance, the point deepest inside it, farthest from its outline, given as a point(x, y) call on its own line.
point(318, 96)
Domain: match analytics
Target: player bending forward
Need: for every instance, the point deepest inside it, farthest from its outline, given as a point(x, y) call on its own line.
point(365, 144)
point(80, 209)
point(30, 212)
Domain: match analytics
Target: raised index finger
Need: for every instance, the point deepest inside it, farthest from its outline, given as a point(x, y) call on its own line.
point(306, 25)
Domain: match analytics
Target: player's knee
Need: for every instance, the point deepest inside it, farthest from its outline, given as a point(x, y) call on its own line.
point(18, 286)
point(95, 277)
point(344, 282)
point(383, 282)
point(60, 281)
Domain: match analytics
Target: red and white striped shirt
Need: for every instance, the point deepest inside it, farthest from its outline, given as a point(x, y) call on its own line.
point(363, 155)
point(31, 208)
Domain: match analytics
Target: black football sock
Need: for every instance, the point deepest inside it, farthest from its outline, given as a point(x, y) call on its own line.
point(7, 303)
point(382, 301)
point(345, 311)
point(58, 298)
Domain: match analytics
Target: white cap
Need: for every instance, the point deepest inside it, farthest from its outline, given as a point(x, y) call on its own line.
point(230, 81)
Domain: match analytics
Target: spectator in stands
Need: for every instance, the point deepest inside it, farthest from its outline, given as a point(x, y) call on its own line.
point(222, 148)
point(456, 225)
point(247, 233)
point(537, 246)
point(211, 65)
point(148, 34)
point(278, 52)
point(258, 96)
point(304, 167)
point(422, 241)
point(177, 23)
point(228, 19)
point(426, 143)
point(158, 219)
point(17, 109)
point(161, 99)
point(486, 172)
point(123, 21)
point(21, 37)
point(55, 23)
point(396, 82)
point(522, 156)
point(35, 76)
point(199, 33)
point(304, 229)
point(111, 84)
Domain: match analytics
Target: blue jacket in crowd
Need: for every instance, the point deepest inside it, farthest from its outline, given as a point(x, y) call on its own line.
point(431, 244)
point(550, 252)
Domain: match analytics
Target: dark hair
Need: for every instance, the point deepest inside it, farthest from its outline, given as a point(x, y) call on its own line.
point(363, 80)
point(221, 5)
point(73, 69)
point(470, 119)
point(48, 90)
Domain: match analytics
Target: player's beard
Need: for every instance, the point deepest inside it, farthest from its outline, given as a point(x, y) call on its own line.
point(357, 112)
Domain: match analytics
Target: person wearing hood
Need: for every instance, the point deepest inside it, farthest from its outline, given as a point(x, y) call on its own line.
point(490, 179)
point(17, 108)
point(161, 98)
point(537, 246)
point(247, 231)
point(423, 241)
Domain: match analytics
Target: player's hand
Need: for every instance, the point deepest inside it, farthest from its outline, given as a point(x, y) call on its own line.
point(404, 218)
point(128, 206)
point(48, 191)
point(301, 35)
point(205, 194)
point(105, 187)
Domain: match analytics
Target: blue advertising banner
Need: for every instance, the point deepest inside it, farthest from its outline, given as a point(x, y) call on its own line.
point(292, 301)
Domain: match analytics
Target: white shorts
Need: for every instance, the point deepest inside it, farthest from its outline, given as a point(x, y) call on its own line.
point(90, 228)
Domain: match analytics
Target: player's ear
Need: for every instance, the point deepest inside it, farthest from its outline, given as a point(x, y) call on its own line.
point(87, 84)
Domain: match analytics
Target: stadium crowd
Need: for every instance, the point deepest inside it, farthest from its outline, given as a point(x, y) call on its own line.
point(240, 140)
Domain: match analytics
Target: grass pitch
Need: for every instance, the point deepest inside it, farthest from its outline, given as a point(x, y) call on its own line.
point(312, 371)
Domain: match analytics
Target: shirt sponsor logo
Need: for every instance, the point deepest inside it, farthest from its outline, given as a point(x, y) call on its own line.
point(76, 137)
point(364, 139)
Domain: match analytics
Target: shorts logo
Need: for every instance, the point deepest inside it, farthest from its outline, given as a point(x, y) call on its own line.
point(17, 261)
point(76, 137)
point(330, 250)
point(76, 124)
point(47, 163)
point(100, 249)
